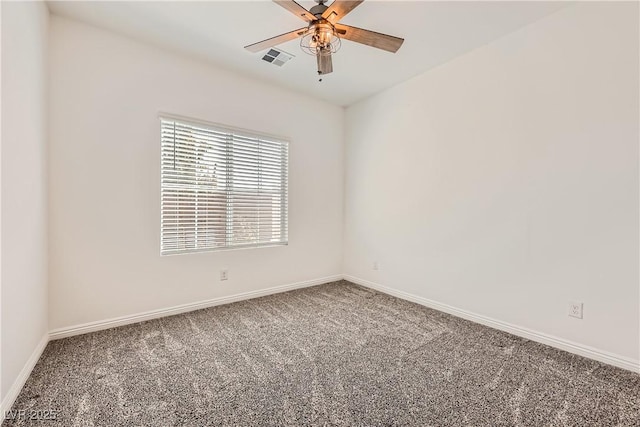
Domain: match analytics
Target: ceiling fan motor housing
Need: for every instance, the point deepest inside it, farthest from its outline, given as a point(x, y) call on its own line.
point(318, 9)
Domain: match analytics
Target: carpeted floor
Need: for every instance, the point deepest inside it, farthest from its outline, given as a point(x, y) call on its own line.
point(335, 354)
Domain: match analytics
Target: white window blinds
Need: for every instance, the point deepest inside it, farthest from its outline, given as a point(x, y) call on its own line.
point(221, 188)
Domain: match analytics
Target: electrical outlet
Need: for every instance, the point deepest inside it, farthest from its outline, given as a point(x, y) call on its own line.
point(375, 265)
point(575, 309)
point(224, 274)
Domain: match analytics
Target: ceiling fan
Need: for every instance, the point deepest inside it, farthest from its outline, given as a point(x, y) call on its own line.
point(322, 35)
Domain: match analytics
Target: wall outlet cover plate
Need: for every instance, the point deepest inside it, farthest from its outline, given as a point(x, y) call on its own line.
point(575, 309)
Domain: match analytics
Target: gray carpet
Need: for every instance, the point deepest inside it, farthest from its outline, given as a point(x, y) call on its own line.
point(335, 354)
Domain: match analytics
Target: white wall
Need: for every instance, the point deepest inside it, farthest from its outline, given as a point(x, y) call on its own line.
point(505, 182)
point(23, 190)
point(106, 92)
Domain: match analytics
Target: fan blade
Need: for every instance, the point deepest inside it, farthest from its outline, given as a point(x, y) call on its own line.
point(339, 9)
point(273, 41)
point(296, 9)
point(325, 64)
point(370, 38)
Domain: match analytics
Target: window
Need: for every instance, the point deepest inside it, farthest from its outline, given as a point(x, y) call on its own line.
point(221, 188)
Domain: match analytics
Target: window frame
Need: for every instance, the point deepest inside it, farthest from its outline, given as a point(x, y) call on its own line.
point(243, 133)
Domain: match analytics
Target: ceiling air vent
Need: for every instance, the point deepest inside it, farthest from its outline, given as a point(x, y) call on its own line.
point(277, 57)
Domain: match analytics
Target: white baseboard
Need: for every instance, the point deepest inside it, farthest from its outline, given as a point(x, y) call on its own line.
point(560, 343)
point(169, 311)
point(17, 385)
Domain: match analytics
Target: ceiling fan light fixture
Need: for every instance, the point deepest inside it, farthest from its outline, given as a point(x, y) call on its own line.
point(320, 39)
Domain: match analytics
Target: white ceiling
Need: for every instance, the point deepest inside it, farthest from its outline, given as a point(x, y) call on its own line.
point(434, 32)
